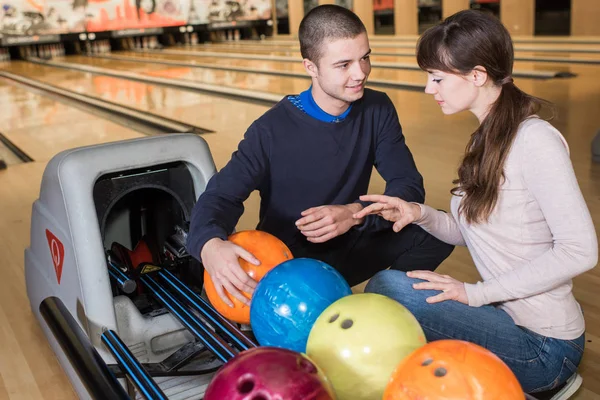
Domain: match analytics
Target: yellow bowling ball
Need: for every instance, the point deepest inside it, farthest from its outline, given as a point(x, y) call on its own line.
point(359, 340)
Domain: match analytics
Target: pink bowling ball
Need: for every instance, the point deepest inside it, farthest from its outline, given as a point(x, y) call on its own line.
point(269, 373)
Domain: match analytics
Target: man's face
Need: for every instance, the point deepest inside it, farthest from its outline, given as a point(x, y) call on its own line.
point(341, 73)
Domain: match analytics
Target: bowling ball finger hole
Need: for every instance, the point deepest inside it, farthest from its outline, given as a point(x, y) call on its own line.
point(347, 323)
point(308, 367)
point(334, 317)
point(427, 362)
point(245, 385)
point(440, 372)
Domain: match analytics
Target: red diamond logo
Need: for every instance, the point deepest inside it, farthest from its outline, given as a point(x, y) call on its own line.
point(57, 251)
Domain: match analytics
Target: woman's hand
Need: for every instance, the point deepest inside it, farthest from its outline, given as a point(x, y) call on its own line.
point(451, 288)
point(393, 209)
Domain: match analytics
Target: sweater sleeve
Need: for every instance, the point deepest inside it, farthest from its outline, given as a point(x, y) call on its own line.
point(220, 206)
point(441, 225)
point(395, 164)
point(548, 174)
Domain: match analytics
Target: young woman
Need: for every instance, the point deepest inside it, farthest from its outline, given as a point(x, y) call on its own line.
point(517, 207)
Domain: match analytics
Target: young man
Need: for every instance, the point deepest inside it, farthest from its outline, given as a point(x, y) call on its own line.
point(311, 157)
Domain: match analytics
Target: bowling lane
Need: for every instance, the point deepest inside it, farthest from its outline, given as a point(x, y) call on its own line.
point(8, 156)
point(410, 51)
point(519, 39)
point(400, 75)
point(405, 58)
point(42, 127)
point(377, 72)
point(399, 46)
point(203, 110)
point(275, 49)
point(242, 80)
point(7, 105)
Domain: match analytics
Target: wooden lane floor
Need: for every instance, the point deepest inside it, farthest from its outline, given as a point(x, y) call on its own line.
point(295, 85)
point(403, 46)
point(377, 72)
point(246, 80)
point(295, 62)
point(589, 40)
point(382, 52)
point(210, 112)
point(377, 51)
point(252, 81)
point(8, 156)
point(42, 127)
point(376, 43)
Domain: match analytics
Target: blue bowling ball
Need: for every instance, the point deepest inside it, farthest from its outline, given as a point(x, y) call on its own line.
point(289, 298)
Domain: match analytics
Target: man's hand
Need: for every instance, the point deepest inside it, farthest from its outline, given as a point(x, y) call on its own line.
point(451, 288)
point(220, 259)
point(320, 224)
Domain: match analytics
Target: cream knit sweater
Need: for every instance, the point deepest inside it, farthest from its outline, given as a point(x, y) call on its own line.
point(537, 239)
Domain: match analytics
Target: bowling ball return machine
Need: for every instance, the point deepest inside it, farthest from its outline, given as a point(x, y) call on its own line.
point(109, 279)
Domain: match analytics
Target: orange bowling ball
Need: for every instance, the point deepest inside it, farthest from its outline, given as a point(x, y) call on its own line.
point(269, 250)
point(453, 370)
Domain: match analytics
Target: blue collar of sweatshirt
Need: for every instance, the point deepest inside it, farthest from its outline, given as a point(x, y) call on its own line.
point(308, 104)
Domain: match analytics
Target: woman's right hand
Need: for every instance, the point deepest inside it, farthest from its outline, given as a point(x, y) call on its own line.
point(393, 209)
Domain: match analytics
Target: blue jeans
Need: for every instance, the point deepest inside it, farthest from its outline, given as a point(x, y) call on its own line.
point(540, 363)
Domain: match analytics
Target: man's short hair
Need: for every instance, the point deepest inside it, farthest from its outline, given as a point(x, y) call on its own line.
point(323, 23)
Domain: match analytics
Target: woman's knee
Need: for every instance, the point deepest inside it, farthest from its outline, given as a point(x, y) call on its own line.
point(389, 283)
point(398, 286)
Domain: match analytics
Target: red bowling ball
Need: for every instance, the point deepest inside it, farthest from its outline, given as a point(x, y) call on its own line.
point(269, 373)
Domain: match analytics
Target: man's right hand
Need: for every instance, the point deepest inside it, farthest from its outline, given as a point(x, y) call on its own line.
point(220, 259)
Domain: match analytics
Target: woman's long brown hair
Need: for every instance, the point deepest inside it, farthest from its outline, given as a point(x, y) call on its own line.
point(462, 42)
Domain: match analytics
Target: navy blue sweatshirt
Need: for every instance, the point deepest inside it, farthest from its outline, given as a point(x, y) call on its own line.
point(297, 162)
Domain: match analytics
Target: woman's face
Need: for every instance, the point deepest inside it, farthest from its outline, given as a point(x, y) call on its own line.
point(454, 93)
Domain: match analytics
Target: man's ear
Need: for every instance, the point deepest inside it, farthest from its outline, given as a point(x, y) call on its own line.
point(478, 76)
point(310, 67)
